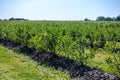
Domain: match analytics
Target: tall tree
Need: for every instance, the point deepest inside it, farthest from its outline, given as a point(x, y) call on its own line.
point(118, 18)
point(108, 19)
point(11, 19)
point(100, 18)
point(86, 19)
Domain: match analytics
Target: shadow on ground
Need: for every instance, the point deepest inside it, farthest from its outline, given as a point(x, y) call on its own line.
point(80, 72)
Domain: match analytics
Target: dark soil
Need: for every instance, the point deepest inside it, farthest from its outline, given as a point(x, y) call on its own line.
point(74, 68)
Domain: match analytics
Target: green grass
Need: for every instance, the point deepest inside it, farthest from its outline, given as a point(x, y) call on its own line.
point(99, 61)
point(15, 66)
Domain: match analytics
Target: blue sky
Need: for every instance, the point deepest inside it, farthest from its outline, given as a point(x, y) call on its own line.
point(58, 9)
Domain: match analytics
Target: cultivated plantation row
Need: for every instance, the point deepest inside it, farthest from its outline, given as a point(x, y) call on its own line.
point(74, 40)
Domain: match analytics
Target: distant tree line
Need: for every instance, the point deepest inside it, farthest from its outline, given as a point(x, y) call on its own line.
point(99, 18)
point(18, 19)
point(102, 18)
point(14, 19)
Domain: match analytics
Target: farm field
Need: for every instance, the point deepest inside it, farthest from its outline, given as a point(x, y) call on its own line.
point(96, 44)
